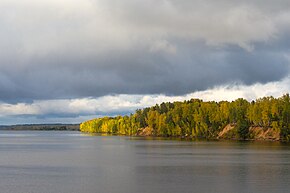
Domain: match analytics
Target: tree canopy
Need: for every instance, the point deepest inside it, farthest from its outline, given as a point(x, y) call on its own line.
point(199, 119)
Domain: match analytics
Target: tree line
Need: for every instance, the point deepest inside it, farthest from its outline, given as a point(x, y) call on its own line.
point(198, 119)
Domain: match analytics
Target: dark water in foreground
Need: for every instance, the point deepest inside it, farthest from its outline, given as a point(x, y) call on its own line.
point(70, 162)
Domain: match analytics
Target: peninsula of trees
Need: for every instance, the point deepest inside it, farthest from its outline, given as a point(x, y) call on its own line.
point(266, 118)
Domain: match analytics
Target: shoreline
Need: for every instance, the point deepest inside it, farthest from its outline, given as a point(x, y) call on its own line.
point(75, 127)
point(185, 138)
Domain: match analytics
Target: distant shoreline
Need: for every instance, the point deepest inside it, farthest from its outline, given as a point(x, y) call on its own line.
point(42, 127)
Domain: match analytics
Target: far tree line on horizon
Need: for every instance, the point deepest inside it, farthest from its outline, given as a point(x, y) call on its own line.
point(199, 119)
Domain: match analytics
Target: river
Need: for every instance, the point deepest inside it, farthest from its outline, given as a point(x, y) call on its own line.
point(72, 162)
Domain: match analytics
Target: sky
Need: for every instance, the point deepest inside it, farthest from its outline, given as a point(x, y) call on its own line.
point(66, 61)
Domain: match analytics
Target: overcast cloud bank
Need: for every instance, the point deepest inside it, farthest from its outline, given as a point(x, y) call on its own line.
point(78, 110)
point(79, 58)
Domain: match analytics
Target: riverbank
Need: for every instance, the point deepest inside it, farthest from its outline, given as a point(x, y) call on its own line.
point(228, 133)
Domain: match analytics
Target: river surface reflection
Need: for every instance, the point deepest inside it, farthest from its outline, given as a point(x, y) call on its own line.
point(71, 162)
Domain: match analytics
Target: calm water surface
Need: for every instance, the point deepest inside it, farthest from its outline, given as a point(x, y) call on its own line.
point(71, 162)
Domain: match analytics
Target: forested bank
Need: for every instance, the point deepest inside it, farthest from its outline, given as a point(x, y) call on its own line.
point(198, 119)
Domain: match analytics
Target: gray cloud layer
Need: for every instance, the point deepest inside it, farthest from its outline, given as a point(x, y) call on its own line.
point(81, 48)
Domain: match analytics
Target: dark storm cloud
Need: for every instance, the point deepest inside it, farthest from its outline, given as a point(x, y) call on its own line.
point(194, 67)
point(66, 49)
